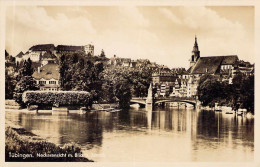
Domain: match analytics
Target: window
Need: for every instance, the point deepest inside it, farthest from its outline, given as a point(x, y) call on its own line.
point(52, 82)
point(42, 82)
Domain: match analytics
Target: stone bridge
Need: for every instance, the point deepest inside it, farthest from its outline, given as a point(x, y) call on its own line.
point(162, 100)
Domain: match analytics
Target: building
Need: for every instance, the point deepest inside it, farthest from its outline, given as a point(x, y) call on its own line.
point(213, 65)
point(162, 77)
point(48, 77)
point(243, 67)
point(19, 57)
point(48, 58)
point(69, 49)
point(89, 49)
point(37, 51)
point(126, 62)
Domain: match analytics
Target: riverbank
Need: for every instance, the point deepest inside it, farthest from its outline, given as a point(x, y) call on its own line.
point(21, 145)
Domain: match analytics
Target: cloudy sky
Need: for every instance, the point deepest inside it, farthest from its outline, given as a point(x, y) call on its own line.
point(162, 34)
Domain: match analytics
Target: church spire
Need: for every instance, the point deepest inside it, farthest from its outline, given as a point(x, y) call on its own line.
point(195, 53)
point(195, 47)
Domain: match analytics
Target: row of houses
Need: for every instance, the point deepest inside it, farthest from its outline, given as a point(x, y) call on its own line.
point(128, 62)
point(184, 83)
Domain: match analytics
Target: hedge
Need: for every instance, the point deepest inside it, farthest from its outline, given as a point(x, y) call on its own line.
point(57, 98)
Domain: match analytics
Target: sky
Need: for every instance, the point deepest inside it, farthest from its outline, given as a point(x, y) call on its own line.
point(163, 34)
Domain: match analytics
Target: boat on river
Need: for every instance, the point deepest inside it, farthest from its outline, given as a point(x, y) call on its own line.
point(229, 112)
point(112, 110)
point(218, 109)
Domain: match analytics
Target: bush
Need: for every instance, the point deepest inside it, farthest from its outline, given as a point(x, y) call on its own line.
point(21, 142)
point(62, 98)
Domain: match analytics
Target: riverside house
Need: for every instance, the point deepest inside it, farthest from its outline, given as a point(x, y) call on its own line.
point(47, 77)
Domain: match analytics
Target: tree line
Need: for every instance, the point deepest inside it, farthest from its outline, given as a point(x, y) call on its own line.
point(78, 72)
point(239, 94)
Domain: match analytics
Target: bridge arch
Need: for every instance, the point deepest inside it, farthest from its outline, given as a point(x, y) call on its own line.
point(170, 100)
point(142, 103)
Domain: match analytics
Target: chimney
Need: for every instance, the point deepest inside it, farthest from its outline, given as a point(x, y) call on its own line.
point(39, 69)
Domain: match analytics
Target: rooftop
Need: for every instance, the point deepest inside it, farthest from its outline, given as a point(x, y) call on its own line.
point(48, 55)
point(48, 72)
point(211, 64)
point(42, 47)
point(69, 48)
point(20, 55)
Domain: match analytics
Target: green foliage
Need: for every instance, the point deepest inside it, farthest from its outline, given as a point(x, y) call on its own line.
point(243, 92)
point(10, 83)
point(57, 98)
point(10, 78)
point(25, 83)
point(116, 87)
point(27, 69)
point(209, 90)
point(78, 72)
point(240, 94)
point(106, 84)
point(17, 140)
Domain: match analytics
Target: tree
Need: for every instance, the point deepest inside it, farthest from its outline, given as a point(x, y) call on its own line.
point(10, 83)
point(102, 53)
point(78, 72)
point(210, 90)
point(240, 94)
point(123, 93)
point(248, 103)
point(25, 81)
point(116, 86)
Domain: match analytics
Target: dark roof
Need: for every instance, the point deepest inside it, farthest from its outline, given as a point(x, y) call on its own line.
point(69, 48)
point(48, 71)
point(211, 64)
point(35, 65)
point(182, 72)
point(48, 55)
point(229, 60)
point(207, 65)
point(20, 55)
point(42, 47)
point(189, 70)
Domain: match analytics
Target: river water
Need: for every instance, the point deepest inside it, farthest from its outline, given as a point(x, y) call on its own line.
point(165, 134)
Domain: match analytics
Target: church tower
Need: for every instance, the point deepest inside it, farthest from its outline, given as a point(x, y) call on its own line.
point(195, 53)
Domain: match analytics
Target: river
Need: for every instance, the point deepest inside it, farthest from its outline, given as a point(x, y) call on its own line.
point(165, 134)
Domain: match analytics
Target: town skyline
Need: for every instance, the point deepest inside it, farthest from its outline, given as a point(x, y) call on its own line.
point(164, 35)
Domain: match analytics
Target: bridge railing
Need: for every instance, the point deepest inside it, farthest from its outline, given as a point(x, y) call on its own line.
point(165, 98)
point(174, 98)
point(138, 98)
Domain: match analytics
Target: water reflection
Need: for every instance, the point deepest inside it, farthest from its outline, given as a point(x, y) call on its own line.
point(163, 134)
